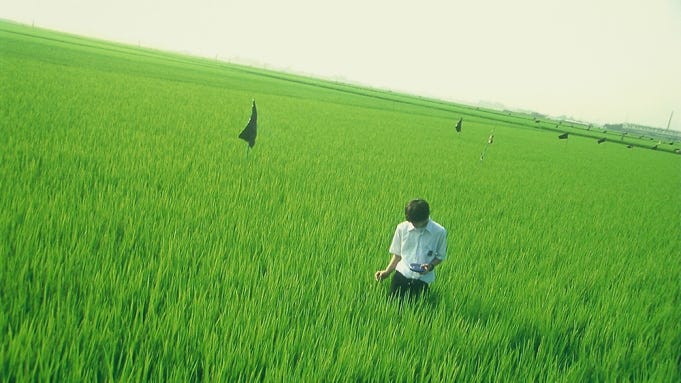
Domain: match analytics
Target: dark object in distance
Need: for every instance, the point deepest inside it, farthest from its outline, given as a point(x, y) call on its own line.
point(458, 125)
point(601, 140)
point(563, 136)
point(251, 129)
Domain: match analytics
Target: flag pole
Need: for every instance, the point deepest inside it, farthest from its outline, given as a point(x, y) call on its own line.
point(490, 140)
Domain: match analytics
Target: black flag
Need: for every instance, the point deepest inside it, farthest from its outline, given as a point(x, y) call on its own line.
point(251, 129)
point(458, 125)
point(602, 140)
point(563, 136)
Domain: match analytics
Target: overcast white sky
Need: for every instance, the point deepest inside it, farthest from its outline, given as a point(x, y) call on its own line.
point(595, 60)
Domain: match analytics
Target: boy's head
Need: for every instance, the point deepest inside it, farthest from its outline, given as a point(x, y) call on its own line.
point(417, 211)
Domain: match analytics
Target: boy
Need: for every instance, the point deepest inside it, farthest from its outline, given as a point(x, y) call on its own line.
point(419, 244)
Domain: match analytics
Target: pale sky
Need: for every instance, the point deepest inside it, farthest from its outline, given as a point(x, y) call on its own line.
point(603, 61)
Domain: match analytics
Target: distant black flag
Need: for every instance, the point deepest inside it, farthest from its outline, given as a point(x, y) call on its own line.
point(601, 140)
point(563, 136)
point(251, 129)
point(458, 125)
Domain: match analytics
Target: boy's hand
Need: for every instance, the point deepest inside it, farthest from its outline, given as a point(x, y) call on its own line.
point(427, 267)
point(381, 275)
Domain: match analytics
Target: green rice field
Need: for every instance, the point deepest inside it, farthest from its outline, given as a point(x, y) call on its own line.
point(141, 240)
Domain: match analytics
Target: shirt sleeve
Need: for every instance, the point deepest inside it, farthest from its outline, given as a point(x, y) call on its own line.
point(442, 246)
point(396, 245)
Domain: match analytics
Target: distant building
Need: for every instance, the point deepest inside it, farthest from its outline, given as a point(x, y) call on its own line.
point(643, 130)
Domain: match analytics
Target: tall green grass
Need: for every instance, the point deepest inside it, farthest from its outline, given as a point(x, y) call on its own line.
point(139, 240)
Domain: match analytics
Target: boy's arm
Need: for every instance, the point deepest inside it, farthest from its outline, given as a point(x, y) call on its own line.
point(383, 274)
point(393, 263)
point(442, 250)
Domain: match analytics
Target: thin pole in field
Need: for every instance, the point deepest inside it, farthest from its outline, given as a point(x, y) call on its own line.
point(670, 120)
point(490, 140)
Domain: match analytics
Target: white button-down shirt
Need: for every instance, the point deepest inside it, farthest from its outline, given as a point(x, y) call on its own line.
point(419, 245)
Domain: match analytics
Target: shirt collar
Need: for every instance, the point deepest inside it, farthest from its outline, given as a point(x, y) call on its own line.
point(428, 227)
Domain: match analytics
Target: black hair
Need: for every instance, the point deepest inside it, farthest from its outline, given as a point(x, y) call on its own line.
point(417, 210)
